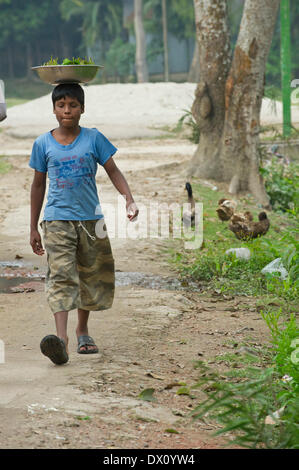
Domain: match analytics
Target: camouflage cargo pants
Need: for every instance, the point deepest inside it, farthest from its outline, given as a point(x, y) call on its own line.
point(80, 266)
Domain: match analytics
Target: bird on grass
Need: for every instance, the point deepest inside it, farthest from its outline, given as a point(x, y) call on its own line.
point(242, 217)
point(226, 208)
point(247, 230)
point(189, 215)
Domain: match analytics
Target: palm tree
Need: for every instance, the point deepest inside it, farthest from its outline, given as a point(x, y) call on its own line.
point(140, 62)
point(101, 20)
point(165, 40)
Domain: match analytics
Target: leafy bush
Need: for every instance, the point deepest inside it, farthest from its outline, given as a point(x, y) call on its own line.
point(282, 183)
point(287, 248)
point(290, 257)
point(120, 59)
point(283, 337)
point(191, 123)
point(262, 411)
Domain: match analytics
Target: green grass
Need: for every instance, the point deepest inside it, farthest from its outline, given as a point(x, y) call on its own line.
point(4, 165)
point(211, 269)
point(26, 89)
point(234, 358)
point(19, 91)
point(10, 102)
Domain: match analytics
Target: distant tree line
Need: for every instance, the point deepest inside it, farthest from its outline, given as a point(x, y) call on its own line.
point(32, 31)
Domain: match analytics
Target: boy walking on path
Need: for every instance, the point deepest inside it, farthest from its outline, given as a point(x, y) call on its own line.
point(80, 271)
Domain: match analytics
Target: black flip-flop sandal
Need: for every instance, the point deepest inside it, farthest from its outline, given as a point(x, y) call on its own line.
point(55, 349)
point(84, 341)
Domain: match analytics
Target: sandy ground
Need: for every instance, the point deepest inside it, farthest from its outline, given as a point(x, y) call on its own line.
point(150, 338)
point(126, 110)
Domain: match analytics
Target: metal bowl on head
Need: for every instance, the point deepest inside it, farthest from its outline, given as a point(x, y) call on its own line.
point(56, 74)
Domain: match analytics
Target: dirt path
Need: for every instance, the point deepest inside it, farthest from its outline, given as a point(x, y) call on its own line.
point(149, 339)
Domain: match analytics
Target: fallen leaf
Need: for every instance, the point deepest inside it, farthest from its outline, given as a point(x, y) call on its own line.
point(83, 418)
point(174, 384)
point(154, 376)
point(147, 394)
point(172, 431)
point(244, 329)
point(181, 366)
point(183, 391)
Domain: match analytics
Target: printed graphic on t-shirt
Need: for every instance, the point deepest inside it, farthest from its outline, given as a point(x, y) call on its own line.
point(73, 171)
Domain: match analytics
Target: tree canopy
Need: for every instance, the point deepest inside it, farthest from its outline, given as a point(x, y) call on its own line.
point(34, 30)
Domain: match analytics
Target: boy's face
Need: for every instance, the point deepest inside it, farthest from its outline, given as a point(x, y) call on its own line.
point(68, 111)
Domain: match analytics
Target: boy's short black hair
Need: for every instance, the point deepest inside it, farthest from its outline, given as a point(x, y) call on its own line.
point(73, 90)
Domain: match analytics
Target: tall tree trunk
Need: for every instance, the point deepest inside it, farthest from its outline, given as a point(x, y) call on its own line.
point(165, 40)
point(214, 61)
point(243, 99)
point(140, 59)
point(10, 56)
point(29, 61)
point(193, 74)
point(230, 154)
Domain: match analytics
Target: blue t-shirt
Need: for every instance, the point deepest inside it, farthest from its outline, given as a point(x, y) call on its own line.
point(72, 169)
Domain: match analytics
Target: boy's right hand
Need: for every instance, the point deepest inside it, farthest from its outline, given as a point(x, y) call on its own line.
point(36, 243)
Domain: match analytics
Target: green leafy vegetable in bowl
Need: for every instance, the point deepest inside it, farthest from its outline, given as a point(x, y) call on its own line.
point(73, 61)
point(52, 61)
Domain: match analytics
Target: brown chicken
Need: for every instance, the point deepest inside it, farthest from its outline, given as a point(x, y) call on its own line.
point(226, 209)
point(242, 217)
point(247, 230)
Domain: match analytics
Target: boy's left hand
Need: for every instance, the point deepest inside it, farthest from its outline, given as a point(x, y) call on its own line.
point(132, 211)
point(36, 243)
